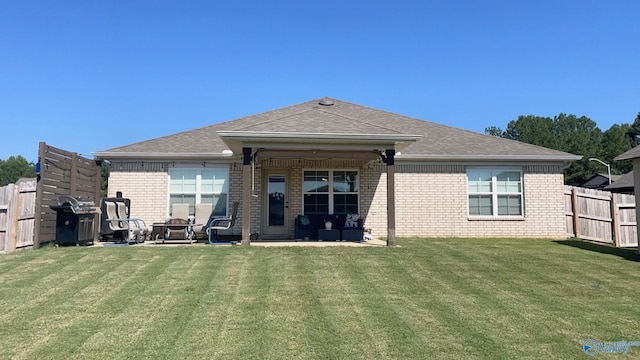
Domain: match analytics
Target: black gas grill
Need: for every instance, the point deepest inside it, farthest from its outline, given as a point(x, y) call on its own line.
point(74, 220)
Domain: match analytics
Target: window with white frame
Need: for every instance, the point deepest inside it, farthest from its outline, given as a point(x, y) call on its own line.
point(495, 192)
point(330, 192)
point(195, 186)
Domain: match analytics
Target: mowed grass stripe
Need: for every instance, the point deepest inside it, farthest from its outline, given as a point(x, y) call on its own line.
point(266, 312)
point(446, 305)
point(60, 295)
point(344, 305)
point(386, 301)
point(482, 303)
point(172, 327)
point(116, 309)
point(519, 291)
point(555, 314)
point(243, 329)
point(170, 323)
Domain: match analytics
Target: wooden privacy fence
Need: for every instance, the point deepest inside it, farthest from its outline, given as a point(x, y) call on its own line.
point(62, 173)
point(601, 216)
point(26, 217)
point(17, 214)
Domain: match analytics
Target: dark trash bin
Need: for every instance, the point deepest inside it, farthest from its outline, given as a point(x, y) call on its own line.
point(74, 220)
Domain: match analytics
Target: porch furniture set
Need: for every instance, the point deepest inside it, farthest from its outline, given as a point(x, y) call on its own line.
point(344, 227)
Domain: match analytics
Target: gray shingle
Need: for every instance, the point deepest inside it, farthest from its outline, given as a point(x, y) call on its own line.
point(341, 118)
point(630, 154)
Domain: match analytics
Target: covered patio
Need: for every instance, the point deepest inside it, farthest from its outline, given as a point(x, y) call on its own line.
point(364, 148)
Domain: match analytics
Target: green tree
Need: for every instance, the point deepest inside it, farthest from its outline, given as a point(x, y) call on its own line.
point(534, 130)
point(14, 168)
point(634, 131)
point(615, 141)
point(104, 173)
point(494, 131)
point(569, 133)
point(578, 135)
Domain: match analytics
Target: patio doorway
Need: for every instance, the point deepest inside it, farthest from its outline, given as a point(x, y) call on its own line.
point(276, 205)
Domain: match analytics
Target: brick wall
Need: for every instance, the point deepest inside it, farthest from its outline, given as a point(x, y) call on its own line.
point(145, 184)
point(431, 200)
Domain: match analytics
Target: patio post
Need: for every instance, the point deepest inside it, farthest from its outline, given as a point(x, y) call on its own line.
point(389, 158)
point(246, 196)
point(636, 190)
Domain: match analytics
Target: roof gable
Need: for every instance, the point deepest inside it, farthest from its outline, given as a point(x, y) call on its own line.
point(340, 117)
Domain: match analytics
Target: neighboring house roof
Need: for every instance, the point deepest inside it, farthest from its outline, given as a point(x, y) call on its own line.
point(331, 116)
point(598, 181)
point(623, 183)
point(629, 154)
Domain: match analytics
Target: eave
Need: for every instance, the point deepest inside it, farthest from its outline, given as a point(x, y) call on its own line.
point(525, 158)
point(117, 155)
point(236, 140)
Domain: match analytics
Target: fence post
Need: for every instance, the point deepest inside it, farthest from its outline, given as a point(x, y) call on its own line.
point(37, 223)
point(15, 207)
point(615, 220)
point(576, 213)
point(98, 195)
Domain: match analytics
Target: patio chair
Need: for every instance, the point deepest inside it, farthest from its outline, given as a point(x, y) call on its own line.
point(137, 225)
point(214, 224)
point(180, 218)
point(119, 221)
point(203, 214)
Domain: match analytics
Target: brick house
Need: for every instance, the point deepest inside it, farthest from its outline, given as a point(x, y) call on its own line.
point(404, 176)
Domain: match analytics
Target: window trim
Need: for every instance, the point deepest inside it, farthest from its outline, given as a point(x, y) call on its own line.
point(198, 190)
point(495, 194)
point(331, 193)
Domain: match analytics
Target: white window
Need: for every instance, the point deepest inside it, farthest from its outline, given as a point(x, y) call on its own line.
point(330, 192)
point(195, 186)
point(495, 192)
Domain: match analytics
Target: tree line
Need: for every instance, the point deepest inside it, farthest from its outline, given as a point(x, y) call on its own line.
point(576, 135)
point(14, 168)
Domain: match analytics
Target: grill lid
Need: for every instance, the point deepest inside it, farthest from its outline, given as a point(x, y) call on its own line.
point(77, 204)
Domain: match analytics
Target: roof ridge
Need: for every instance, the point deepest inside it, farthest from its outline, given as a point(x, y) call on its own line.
point(272, 120)
point(356, 119)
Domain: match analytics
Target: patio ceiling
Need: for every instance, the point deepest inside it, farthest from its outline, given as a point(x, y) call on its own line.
point(290, 144)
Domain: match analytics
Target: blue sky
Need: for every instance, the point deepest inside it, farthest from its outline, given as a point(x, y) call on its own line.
point(92, 75)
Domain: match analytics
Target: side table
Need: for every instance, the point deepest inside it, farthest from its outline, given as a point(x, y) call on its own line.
point(330, 235)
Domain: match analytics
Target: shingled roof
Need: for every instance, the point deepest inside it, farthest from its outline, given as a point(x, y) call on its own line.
point(630, 154)
point(331, 116)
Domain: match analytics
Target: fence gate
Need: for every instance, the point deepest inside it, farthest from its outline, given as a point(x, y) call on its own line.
point(601, 216)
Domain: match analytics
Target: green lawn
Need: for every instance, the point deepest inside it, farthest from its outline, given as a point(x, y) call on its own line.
point(427, 298)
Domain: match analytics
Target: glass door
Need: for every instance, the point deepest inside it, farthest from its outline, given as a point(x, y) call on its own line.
point(276, 215)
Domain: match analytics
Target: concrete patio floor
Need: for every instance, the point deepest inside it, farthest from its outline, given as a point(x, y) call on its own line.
point(266, 243)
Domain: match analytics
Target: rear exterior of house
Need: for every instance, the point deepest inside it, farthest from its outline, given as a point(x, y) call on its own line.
point(403, 176)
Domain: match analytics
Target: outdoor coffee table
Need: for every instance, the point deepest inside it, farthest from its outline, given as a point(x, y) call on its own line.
point(160, 231)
